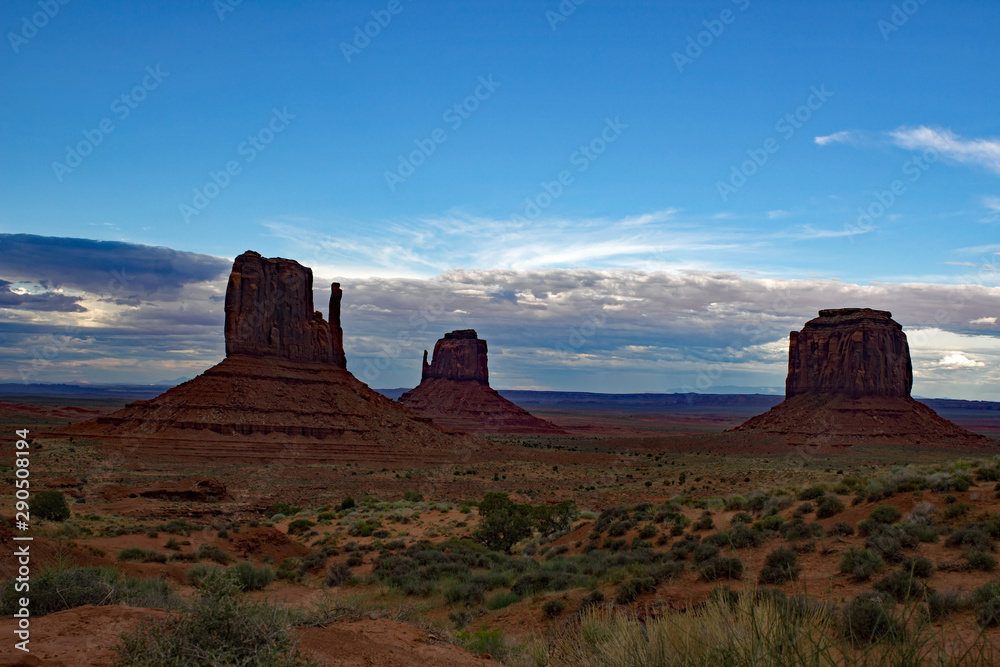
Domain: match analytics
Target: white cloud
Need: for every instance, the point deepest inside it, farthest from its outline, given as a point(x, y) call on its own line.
point(980, 152)
point(843, 137)
point(992, 205)
point(984, 320)
point(957, 360)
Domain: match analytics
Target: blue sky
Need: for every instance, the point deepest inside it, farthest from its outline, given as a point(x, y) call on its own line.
point(598, 97)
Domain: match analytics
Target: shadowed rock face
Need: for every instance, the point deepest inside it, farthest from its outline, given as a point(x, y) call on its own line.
point(849, 381)
point(455, 393)
point(460, 356)
point(850, 352)
point(269, 313)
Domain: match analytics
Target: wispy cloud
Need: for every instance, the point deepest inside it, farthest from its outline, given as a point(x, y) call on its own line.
point(979, 152)
point(992, 205)
point(842, 137)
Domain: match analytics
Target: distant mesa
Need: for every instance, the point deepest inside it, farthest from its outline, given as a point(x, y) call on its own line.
point(849, 381)
point(454, 391)
point(282, 392)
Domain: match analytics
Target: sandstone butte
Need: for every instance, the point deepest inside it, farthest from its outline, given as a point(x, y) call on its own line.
point(849, 381)
point(455, 392)
point(282, 392)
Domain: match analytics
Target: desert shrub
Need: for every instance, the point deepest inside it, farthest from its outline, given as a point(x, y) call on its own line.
point(703, 551)
point(251, 578)
point(980, 560)
point(413, 496)
point(502, 523)
point(592, 599)
point(919, 566)
point(942, 603)
point(55, 590)
point(861, 564)
point(735, 503)
point(889, 542)
point(972, 536)
point(299, 526)
point(464, 590)
point(741, 518)
point(50, 505)
point(135, 554)
point(885, 514)
point(552, 608)
point(827, 506)
point(901, 586)
point(841, 528)
point(922, 514)
point(326, 516)
point(988, 613)
point(631, 588)
point(770, 523)
point(501, 600)
point(797, 529)
point(648, 531)
point(338, 574)
point(720, 567)
point(363, 528)
point(921, 532)
point(868, 617)
point(957, 510)
point(283, 508)
point(780, 565)
point(222, 628)
point(355, 559)
point(743, 536)
point(704, 522)
point(812, 492)
point(347, 503)
point(213, 553)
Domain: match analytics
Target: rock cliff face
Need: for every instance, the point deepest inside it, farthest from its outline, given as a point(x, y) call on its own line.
point(281, 394)
point(850, 352)
point(454, 391)
point(459, 356)
point(849, 381)
point(269, 313)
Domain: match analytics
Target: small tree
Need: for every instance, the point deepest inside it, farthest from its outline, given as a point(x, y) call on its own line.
point(49, 505)
point(502, 523)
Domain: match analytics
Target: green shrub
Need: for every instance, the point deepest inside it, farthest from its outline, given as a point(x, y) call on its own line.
point(868, 617)
point(980, 560)
point(827, 506)
point(919, 566)
point(55, 590)
point(972, 536)
point(885, 514)
point(956, 510)
point(741, 518)
point(251, 578)
point(631, 588)
point(222, 628)
point(841, 528)
point(901, 586)
point(861, 564)
point(501, 600)
point(743, 536)
point(214, 554)
point(797, 529)
point(338, 574)
point(780, 565)
point(770, 523)
point(704, 522)
point(49, 505)
point(552, 608)
point(138, 555)
point(502, 524)
point(942, 603)
point(720, 567)
point(592, 599)
point(412, 496)
point(813, 492)
point(347, 503)
point(299, 526)
point(282, 508)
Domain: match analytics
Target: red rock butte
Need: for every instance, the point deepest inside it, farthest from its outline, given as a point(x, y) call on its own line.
point(455, 392)
point(849, 381)
point(282, 392)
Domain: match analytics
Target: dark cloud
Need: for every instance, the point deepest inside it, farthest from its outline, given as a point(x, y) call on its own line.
point(45, 301)
point(121, 271)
